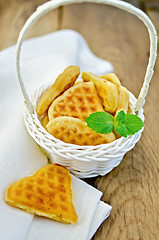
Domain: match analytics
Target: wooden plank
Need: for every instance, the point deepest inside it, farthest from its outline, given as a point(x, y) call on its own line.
point(13, 15)
point(132, 187)
point(154, 15)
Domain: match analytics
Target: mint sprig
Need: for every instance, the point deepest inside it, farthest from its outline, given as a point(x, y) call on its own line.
point(120, 124)
point(124, 124)
point(101, 122)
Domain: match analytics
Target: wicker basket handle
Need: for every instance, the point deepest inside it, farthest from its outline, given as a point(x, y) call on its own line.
point(48, 6)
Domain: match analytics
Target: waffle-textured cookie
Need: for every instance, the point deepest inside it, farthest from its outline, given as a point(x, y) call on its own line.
point(107, 91)
point(75, 131)
point(47, 193)
point(63, 82)
point(79, 101)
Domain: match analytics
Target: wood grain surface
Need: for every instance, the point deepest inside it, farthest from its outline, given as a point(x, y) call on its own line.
point(132, 188)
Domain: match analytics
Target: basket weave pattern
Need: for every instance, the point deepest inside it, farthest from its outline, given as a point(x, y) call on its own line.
point(83, 161)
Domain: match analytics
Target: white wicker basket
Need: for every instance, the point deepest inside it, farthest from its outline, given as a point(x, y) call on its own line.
point(85, 161)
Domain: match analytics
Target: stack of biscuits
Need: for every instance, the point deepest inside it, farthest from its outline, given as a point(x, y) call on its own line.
point(63, 108)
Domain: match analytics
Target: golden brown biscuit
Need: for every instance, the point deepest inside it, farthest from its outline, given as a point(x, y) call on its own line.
point(75, 131)
point(79, 101)
point(107, 91)
point(112, 78)
point(45, 120)
point(123, 101)
point(63, 82)
point(47, 193)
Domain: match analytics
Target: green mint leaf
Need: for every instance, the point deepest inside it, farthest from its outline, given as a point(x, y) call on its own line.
point(101, 122)
point(127, 124)
point(120, 124)
point(133, 123)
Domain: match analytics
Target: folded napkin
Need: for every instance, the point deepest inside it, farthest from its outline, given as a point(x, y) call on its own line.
point(42, 60)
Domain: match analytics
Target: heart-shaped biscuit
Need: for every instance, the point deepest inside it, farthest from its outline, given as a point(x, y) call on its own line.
point(47, 193)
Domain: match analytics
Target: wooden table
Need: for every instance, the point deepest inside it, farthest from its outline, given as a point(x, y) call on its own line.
point(132, 188)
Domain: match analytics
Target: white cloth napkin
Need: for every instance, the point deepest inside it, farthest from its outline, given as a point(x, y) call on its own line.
point(42, 60)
